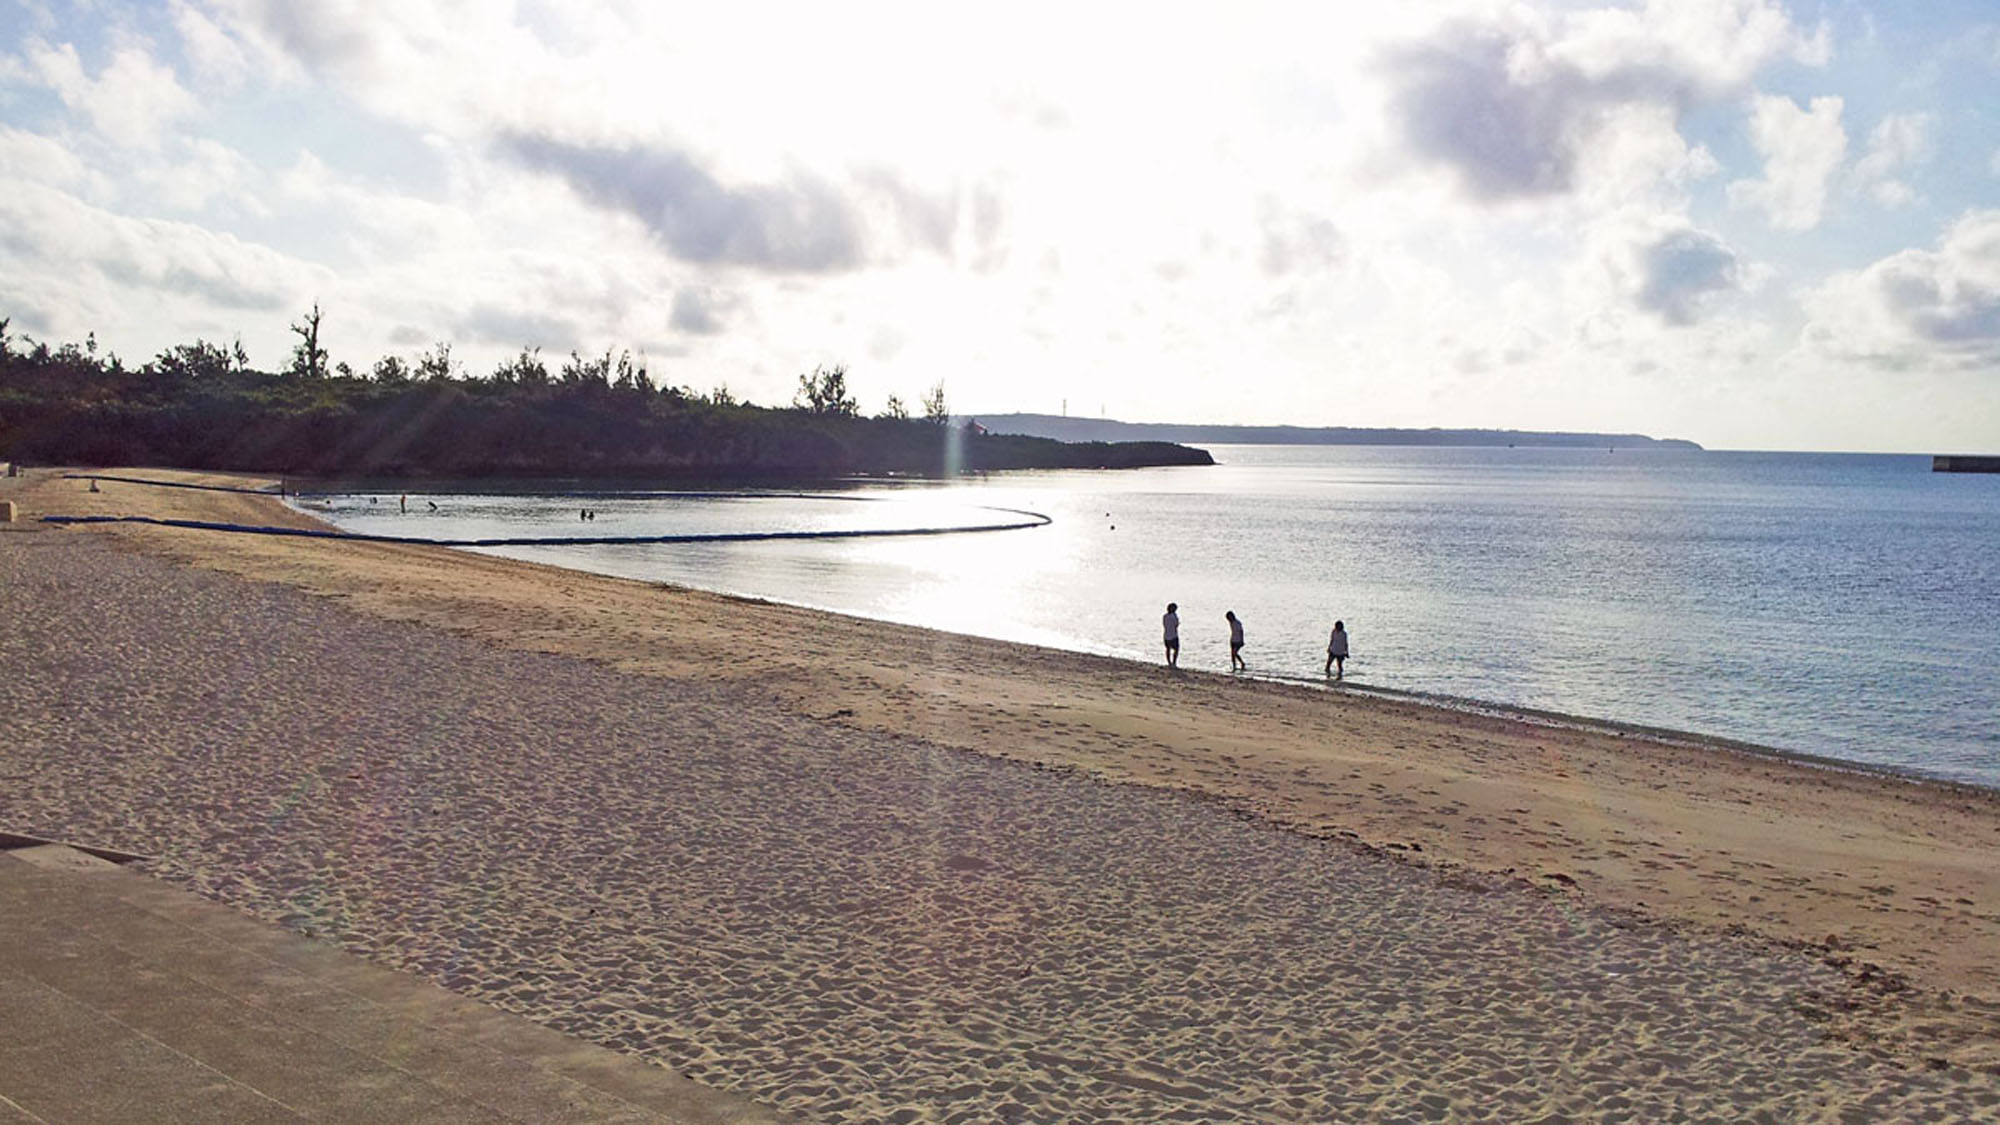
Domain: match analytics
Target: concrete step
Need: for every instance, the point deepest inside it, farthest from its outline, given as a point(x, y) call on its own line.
point(123, 998)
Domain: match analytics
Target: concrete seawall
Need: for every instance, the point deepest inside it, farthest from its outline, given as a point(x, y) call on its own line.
point(1946, 463)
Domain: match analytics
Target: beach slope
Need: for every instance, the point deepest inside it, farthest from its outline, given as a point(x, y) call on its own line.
point(1830, 911)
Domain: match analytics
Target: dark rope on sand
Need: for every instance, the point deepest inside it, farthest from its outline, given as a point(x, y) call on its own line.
point(1030, 519)
point(173, 484)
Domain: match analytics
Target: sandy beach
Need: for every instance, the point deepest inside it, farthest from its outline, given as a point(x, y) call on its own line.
point(864, 872)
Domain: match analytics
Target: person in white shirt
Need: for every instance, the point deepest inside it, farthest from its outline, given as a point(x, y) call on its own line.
point(1336, 651)
point(1170, 630)
point(1235, 642)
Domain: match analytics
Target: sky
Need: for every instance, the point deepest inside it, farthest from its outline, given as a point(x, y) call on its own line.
point(1750, 223)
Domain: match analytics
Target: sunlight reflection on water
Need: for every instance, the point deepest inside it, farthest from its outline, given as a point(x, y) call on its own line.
point(1821, 603)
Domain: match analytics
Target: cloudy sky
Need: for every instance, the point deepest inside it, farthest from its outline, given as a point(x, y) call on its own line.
point(1752, 223)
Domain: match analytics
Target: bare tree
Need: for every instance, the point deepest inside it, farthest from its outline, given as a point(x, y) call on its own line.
point(935, 410)
point(524, 370)
point(894, 408)
point(825, 392)
point(308, 358)
point(580, 372)
point(631, 374)
point(392, 371)
point(435, 365)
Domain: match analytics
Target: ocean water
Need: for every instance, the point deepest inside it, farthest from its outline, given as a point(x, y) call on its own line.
point(1839, 605)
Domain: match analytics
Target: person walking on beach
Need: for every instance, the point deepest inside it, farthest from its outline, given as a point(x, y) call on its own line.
point(1336, 651)
point(1235, 642)
point(1170, 632)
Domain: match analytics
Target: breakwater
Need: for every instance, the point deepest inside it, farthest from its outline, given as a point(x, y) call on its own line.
point(1958, 463)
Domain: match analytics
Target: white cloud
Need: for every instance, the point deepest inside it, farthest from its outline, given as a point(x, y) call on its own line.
point(1917, 308)
point(1296, 241)
point(361, 39)
point(131, 101)
point(1801, 150)
point(1898, 142)
point(1516, 105)
point(1712, 47)
point(601, 73)
point(215, 53)
point(1642, 157)
point(374, 222)
point(802, 224)
point(33, 157)
point(1679, 271)
point(509, 325)
point(45, 232)
point(1483, 102)
point(1656, 264)
point(698, 311)
point(207, 170)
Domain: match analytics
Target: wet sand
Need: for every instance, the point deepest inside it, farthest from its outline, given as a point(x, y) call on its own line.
point(812, 860)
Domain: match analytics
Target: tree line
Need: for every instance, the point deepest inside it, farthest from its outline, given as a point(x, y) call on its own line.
point(201, 405)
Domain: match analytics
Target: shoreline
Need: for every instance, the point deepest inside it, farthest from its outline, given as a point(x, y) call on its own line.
point(1771, 742)
point(1442, 701)
point(1893, 879)
point(1438, 701)
point(1673, 737)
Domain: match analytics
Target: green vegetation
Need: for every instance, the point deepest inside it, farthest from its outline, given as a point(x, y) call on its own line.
point(201, 406)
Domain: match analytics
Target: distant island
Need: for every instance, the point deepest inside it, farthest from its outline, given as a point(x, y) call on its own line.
point(1104, 429)
point(201, 406)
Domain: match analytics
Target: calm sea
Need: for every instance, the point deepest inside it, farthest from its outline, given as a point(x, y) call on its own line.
point(1838, 605)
